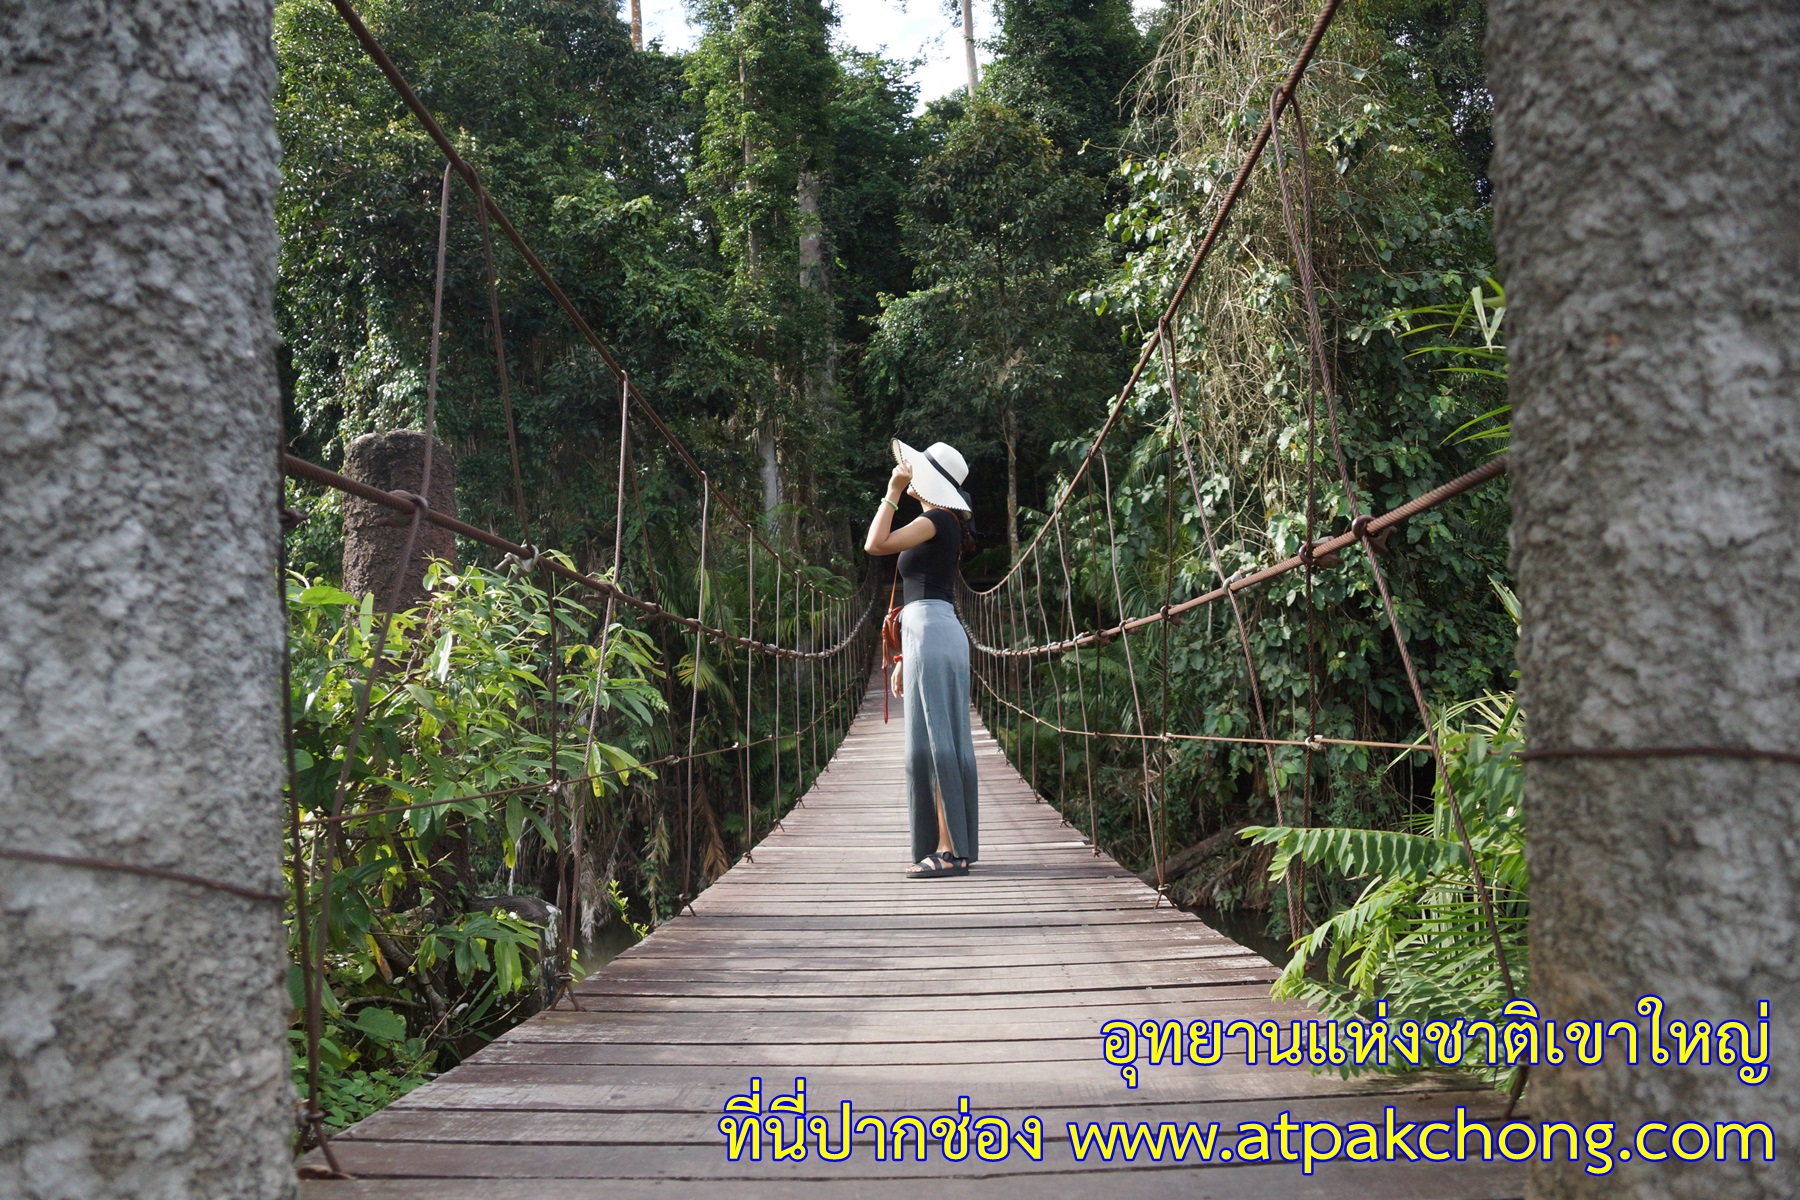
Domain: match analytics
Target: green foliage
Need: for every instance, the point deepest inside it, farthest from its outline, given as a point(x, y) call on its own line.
point(1468, 338)
point(763, 74)
point(463, 706)
point(1416, 936)
point(876, 154)
point(1069, 64)
point(347, 1096)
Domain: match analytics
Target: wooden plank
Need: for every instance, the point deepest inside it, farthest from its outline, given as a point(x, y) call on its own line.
point(1333, 1181)
point(615, 1126)
point(815, 957)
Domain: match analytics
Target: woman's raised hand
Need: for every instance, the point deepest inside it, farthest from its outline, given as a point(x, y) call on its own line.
point(901, 479)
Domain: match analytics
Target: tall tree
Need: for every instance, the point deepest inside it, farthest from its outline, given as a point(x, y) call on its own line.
point(765, 74)
point(1648, 221)
point(1068, 64)
point(140, 631)
point(584, 143)
point(1003, 232)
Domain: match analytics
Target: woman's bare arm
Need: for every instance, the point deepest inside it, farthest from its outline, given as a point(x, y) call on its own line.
point(883, 537)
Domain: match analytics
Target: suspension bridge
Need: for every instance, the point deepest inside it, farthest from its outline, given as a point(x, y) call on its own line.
point(816, 960)
point(809, 1020)
point(962, 1010)
point(812, 959)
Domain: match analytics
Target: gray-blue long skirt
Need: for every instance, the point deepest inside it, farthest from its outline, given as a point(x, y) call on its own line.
point(940, 750)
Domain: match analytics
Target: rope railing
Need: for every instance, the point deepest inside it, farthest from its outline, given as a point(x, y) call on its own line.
point(1308, 556)
point(407, 504)
point(1009, 651)
point(832, 632)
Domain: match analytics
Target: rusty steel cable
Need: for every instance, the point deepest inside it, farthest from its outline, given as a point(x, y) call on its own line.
point(1467, 482)
point(406, 505)
point(1745, 753)
point(94, 863)
point(687, 857)
point(775, 757)
point(1168, 750)
point(569, 853)
point(1361, 528)
point(1137, 704)
point(1087, 745)
point(1313, 745)
point(1178, 433)
point(749, 694)
point(800, 769)
point(1056, 680)
point(310, 1118)
point(587, 757)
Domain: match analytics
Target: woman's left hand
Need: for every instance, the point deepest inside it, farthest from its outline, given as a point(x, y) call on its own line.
point(896, 681)
point(900, 480)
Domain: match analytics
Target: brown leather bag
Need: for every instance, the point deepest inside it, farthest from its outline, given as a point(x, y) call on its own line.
point(890, 645)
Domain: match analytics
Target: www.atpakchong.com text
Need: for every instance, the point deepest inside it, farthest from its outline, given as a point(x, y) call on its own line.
point(784, 1131)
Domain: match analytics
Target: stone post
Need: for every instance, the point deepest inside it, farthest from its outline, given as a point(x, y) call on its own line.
point(374, 536)
point(143, 1020)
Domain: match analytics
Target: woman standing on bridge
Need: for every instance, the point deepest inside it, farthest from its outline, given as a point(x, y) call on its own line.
point(934, 656)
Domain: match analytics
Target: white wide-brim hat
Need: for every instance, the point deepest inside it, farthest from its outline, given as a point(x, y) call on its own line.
point(938, 473)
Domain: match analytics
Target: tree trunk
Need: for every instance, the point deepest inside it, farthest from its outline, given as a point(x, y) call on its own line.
point(809, 196)
point(143, 1049)
point(637, 25)
point(771, 472)
point(1011, 427)
point(1648, 222)
point(752, 233)
point(968, 24)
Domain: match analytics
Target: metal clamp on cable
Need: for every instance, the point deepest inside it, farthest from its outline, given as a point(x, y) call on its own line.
point(524, 566)
point(402, 520)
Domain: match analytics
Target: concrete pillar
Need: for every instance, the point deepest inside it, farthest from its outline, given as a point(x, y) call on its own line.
point(374, 536)
point(1647, 218)
point(143, 1049)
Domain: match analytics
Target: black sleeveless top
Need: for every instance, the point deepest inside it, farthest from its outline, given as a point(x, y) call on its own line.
point(928, 570)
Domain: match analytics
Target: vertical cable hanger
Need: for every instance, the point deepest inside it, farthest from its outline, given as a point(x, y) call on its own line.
point(775, 670)
point(749, 689)
point(1087, 750)
point(1296, 917)
point(590, 765)
point(314, 970)
point(1056, 681)
point(1137, 704)
point(687, 858)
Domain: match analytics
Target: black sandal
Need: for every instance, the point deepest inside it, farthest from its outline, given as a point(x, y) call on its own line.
point(934, 865)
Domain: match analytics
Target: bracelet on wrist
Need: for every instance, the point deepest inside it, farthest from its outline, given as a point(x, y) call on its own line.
point(890, 504)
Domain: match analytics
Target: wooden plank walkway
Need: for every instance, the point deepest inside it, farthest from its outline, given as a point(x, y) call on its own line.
point(819, 960)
